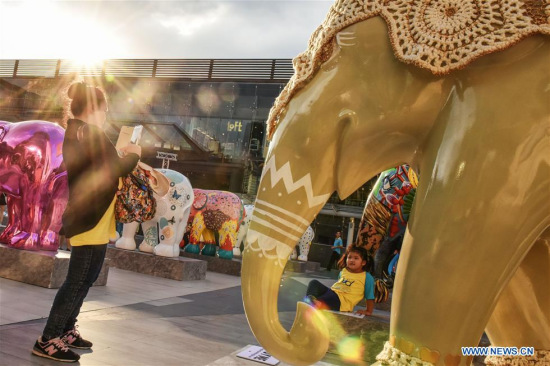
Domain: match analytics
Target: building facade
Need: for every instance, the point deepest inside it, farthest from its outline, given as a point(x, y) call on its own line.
point(208, 116)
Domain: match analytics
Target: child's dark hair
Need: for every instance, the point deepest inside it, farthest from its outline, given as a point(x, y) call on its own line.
point(368, 267)
point(81, 94)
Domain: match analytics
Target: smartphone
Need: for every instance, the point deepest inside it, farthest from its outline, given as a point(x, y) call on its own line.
point(136, 134)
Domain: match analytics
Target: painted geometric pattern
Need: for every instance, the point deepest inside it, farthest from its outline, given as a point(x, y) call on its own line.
point(274, 231)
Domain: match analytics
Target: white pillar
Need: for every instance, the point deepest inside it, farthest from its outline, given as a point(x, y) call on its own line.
point(351, 228)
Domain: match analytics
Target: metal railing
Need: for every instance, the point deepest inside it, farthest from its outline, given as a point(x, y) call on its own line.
point(265, 70)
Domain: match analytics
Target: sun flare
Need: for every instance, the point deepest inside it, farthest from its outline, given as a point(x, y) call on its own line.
point(83, 38)
point(87, 62)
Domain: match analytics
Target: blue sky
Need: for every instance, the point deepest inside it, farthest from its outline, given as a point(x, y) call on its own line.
point(93, 30)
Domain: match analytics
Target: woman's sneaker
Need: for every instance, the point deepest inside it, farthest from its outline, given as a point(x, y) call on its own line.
point(73, 339)
point(54, 349)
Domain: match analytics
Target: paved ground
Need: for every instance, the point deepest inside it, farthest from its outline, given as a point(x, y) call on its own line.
point(143, 320)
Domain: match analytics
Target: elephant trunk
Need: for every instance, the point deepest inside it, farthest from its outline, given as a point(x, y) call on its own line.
point(308, 339)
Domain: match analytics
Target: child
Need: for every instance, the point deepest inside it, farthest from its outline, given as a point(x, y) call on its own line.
point(354, 283)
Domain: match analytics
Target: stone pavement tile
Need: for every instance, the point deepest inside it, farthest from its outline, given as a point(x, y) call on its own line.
point(10, 315)
point(16, 344)
point(25, 359)
point(194, 350)
point(219, 302)
point(198, 342)
point(168, 301)
point(233, 360)
point(107, 334)
point(22, 302)
point(136, 353)
point(224, 329)
point(21, 290)
point(113, 329)
point(190, 325)
point(114, 344)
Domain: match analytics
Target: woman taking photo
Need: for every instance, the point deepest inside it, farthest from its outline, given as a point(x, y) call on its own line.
point(93, 170)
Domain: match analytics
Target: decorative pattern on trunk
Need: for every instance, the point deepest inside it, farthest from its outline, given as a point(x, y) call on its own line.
point(291, 185)
point(278, 251)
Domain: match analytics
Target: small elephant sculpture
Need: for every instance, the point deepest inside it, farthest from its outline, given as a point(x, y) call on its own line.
point(387, 210)
point(214, 211)
point(33, 176)
point(304, 244)
point(243, 228)
point(384, 221)
point(163, 233)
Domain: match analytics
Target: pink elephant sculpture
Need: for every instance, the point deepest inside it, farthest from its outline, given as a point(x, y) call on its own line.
point(34, 178)
point(214, 211)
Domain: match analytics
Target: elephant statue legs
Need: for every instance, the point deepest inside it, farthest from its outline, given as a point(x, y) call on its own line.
point(243, 229)
point(303, 245)
point(211, 212)
point(163, 233)
point(205, 225)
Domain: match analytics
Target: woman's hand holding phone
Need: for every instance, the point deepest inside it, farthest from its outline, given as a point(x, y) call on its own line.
point(131, 148)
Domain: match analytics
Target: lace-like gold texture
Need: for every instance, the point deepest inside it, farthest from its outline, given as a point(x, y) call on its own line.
point(541, 357)
point(393, 357)
point(437, 35)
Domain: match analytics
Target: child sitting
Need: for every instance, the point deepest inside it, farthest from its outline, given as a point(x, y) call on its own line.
point(354, 283)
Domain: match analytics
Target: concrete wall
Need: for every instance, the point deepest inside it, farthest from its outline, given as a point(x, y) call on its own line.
point(320, 253)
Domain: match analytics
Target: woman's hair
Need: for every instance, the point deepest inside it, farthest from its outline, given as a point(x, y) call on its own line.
point(368, 267)
point(81, 95)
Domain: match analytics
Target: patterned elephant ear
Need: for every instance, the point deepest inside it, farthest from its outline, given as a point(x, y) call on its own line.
point(159, 182)
point(200, 200)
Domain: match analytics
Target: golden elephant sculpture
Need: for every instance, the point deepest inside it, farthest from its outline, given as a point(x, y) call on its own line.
point(385, 83)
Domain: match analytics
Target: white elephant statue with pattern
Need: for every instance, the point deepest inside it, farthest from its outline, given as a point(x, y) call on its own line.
point(460, 91)
point(169, 222)
point(303, 244)
point(243, 229)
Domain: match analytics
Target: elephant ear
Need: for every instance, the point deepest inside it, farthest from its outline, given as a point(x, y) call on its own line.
point(4, 128)
point(200, 200)
point(159, 182)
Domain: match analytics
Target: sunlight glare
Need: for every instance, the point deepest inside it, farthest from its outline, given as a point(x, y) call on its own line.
point(351, 349)
point(51, 30)
point(88, 62)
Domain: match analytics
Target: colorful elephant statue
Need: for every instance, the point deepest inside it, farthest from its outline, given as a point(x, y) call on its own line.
point(211, 212)
point(243, 229)
point(163, 233)
point(303, 244)
point(385, 83)
point(384, 221)
point(33, 176)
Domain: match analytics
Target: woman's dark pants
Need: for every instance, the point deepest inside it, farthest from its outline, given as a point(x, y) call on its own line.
point(84, 267)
